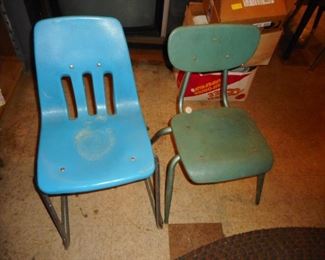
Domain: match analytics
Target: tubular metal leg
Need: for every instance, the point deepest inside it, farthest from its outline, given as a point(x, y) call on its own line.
point(318, 16)
point(61, 225)
point(160, 133)
point(312, 4)
point(65, 220)
point(149, 188)
point(317, 59)
point(298, 5)
point(259, 187)
point(156, 181)
point(154, 193)
point(169, 184)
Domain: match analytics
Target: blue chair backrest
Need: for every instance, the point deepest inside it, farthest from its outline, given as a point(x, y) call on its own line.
point(75, 46)
point(215, 47)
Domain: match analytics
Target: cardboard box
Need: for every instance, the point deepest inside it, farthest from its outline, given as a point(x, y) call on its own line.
point(193, 10)
point(207, 86)
point(268, 41)
point(265, 49)
point(263, 13)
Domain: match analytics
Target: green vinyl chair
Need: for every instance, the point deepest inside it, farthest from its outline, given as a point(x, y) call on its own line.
point(216, 144)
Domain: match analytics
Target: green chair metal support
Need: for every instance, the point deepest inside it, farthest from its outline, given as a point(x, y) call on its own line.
point(217, 144)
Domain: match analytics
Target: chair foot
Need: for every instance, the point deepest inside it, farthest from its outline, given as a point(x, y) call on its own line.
point(169, 185)
point(259, 187)
point(61, 225)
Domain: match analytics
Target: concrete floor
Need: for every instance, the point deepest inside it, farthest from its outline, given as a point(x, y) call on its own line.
point(287, 102)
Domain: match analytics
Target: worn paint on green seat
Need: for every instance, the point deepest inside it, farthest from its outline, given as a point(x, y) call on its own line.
point(204, 48)
point(220, 144)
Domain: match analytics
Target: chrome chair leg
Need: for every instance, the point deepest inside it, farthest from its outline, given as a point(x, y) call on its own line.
point(169, 185)
point(65, 220)
point(154, 193)
point(259, 187)
point(61, 225)
point(156, 181)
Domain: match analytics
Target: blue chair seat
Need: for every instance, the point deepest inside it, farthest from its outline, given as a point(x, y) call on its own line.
point(92, 154)
point(220, 144)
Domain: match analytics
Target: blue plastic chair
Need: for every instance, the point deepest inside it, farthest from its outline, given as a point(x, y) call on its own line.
point(218, 144)
point(88, 141)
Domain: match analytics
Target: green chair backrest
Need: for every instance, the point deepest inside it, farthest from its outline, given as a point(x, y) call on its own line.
point(215, 47)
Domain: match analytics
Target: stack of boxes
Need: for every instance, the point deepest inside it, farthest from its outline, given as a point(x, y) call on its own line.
point(267, 15)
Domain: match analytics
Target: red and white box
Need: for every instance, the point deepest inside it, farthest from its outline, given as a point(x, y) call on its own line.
point(207, 86)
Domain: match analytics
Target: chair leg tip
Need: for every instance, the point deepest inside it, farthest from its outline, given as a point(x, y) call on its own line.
point(66, 245)
point(160, 224)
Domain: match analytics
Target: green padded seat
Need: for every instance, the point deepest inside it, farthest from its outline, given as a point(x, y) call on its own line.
point(220, 144)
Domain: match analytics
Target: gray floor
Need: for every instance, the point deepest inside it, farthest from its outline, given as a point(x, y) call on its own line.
point(287, 102)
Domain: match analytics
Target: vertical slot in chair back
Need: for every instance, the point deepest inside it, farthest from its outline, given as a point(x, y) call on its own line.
point(212, 48)
point(92, 49)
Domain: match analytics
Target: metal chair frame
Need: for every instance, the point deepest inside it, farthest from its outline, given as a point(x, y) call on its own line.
point(62, 225)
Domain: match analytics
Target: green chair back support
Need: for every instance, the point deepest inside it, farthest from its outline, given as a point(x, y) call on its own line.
point(193, 49)
point(217, 144)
